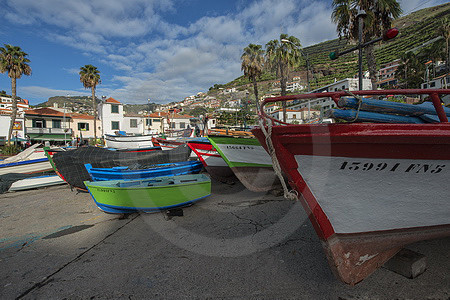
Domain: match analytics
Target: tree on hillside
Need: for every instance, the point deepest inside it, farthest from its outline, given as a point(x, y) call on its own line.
point(14, 62)
point(281, 56)
point(411, 71)
point(90, 78)
point(252, 65)
point(380, 14)
point(444, 31)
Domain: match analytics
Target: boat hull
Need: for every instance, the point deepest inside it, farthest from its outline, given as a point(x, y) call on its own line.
point(36, 182)
point(214, 164)
point(248, 160)
point(369, 189)
point(128, 142)
point(112, 198)
point(26, 167)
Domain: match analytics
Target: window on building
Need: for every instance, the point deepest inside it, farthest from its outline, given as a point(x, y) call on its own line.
point(182, 125)
point(157, 120)
point(114, 108)
point(133, 123)
point(148, 122)
point(39, 123)
point(115, 125)
point(56, 123)
point(83, 126)
point(172, 125)
point(294, 116)
point(432, 84)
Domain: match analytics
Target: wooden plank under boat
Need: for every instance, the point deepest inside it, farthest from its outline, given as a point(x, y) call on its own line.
point(149, 195)
point(248, 160)
point(214, 164)
point(369, 188)
point(158, 170)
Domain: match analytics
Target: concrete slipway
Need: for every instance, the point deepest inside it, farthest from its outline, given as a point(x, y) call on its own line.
point(55, 244)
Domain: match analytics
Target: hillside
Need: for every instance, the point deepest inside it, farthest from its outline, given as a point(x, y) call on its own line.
point(83, 104)
point(415, 29)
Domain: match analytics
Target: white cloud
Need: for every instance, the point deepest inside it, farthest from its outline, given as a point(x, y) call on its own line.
point(43, 92)
point(165, 61)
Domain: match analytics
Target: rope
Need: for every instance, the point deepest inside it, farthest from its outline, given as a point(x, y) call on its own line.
point(288, 194)
point(359, 105)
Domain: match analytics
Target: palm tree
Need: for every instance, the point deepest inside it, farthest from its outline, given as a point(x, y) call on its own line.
point(90, 77)
point(281, 56)
point(252, 65)
point(13, 61)
point(380, 14)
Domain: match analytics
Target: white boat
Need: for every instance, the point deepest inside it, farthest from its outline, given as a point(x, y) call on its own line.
point(129, 141)
point(36, 182)
point(31, 160)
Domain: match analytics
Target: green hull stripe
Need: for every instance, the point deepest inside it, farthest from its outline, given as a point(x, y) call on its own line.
point(234, 140)
point(216, 141)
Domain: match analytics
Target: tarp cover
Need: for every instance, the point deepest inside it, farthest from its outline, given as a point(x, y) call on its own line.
point(70, 164)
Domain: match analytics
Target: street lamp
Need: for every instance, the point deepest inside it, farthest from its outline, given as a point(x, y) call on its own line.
point(307, 71)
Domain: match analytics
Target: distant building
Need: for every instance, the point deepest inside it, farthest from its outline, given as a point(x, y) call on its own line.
point(386, 75)
point(296, 115)
point(110, 113)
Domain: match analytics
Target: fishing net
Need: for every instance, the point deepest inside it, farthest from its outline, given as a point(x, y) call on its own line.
point(70, 164)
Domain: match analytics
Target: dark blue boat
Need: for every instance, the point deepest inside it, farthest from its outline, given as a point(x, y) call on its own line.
point(115, 173)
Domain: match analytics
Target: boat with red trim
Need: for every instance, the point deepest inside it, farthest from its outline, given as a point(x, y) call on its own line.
point(369, 188)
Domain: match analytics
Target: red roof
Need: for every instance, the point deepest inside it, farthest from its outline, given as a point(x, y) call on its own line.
point(81, 116)
point(111, 100)
point(46, 111)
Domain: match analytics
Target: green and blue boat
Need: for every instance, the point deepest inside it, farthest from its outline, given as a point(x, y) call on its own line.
point(149, 195)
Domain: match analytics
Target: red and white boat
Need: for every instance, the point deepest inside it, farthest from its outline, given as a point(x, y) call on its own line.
point(214, 164)
point(369, 188)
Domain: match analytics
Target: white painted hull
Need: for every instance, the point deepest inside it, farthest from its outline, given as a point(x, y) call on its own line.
point(129, 144)
point(27, 168)
point(378, 194)
point(246, 154)
point(32, 183)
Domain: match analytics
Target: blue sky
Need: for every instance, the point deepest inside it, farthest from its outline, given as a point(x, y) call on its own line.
point(163, 50)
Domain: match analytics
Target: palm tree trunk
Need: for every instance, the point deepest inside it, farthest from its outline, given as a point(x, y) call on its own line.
point(255, 90)
point(95, 114)
point(283, 90)
point(372, 65)
point(14, 108)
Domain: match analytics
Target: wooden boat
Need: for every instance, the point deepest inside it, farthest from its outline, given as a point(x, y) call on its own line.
point(369, 188)
point(125, 173)
point(248, 160)
point(149, 195)
point(128, 141)
point(36, 182)
point(70, 164)
point(166, 144)
point(229, 131)
point(214, 164)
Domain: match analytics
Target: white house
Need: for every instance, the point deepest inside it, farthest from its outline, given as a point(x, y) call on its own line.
point(111, 115)
point(296, 116)
point(348, 84)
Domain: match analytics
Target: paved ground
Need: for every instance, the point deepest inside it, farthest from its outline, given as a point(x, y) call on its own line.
point(54, 243)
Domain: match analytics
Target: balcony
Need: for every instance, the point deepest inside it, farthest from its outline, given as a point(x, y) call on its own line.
point(49, 134)
point(36, 130)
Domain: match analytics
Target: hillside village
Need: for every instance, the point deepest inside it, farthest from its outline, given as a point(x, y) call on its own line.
point(63, 118)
